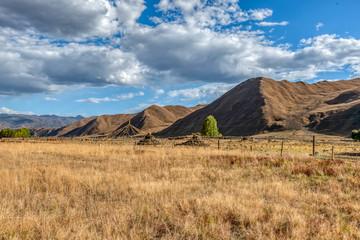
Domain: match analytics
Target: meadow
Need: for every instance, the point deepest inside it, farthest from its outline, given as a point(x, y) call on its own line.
point(58, 190)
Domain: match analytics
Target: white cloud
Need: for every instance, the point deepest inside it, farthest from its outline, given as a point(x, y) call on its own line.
point(64, 19)
point(271, 24)
point(118, 98)
point(159, 91)
point(260, 14)
point(213, 90)
point(193, 42)
point(139, 108)
point(10, 111)
point(129, 95)
point(69, 19)
point(98, 100)
point(128, 11)
point(51, 99)
point(356, 71)
point(31, 65)
point(319, 25)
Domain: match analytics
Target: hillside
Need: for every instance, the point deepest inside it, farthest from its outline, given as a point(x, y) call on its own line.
point(16, 121)
point(262, 104)
point(88, 126)
point(158, 118)
point(154, 118)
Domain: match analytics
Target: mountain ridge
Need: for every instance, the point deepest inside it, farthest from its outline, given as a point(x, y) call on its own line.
point(153, 118)
point(16, 121)
point(262, 104)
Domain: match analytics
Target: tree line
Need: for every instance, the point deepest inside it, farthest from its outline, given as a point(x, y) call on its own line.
point(10, 133)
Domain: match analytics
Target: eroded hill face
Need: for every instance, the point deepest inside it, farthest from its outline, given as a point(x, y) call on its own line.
point(262, 104)
point(298, 105)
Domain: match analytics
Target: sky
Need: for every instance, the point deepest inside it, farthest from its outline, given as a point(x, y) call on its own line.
point(95, 57)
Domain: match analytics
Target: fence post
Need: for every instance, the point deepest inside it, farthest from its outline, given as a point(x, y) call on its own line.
point(218, 144)
point(282, 148)
point(230, 144)
point(313, 145)
point(332, 153)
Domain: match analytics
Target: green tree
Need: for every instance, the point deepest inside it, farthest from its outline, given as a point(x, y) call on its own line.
point(7, 133)
point(355, 134)
point(22, 132)
point(209, 127)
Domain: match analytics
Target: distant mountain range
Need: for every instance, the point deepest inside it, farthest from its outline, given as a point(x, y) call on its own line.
point(254, 106)
point(15, 121)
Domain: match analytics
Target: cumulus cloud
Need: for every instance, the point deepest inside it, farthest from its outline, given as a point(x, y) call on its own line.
point(70, 19)
point(31, 65)
point(209, 13)
point(271, 24)
point(108, 99)
point(66, 18)
point(6, 110)
point(192, 41)
point(213, 90)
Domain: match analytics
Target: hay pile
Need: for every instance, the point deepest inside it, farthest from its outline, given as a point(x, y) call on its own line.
point(194, 141)
point(149, 140)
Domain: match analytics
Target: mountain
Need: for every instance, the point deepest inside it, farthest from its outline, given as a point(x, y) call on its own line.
point(262, 104)
point(158, 118)
point(155, 118)
point(16, 121)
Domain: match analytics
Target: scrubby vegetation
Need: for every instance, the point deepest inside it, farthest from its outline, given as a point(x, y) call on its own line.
point(10, 133)
point(355, 134)
point(75, 191)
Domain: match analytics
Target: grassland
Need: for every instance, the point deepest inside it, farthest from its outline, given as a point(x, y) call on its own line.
point(83, 191)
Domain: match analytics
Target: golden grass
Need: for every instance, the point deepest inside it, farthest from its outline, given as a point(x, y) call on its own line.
point(74, 191)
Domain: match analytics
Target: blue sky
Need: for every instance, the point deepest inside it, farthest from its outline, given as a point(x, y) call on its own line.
point(97, 57)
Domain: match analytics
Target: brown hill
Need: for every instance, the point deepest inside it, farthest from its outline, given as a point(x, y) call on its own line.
point(88, 126)
point(154, 118)
point(262, 104)
point(158, 118)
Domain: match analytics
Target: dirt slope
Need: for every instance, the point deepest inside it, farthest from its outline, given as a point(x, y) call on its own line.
point(262, 104)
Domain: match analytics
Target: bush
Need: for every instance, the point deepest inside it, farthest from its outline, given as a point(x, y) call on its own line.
point(22, 132)
point(9, 133)
point(355, 134)
point(209, 127)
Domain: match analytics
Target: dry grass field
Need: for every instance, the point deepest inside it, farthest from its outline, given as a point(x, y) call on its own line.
point(83, 191)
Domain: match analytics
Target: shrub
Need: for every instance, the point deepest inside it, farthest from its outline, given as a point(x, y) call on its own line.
point(355, 134)
point(209, 127)
point(9, 133)
point(22, 132)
